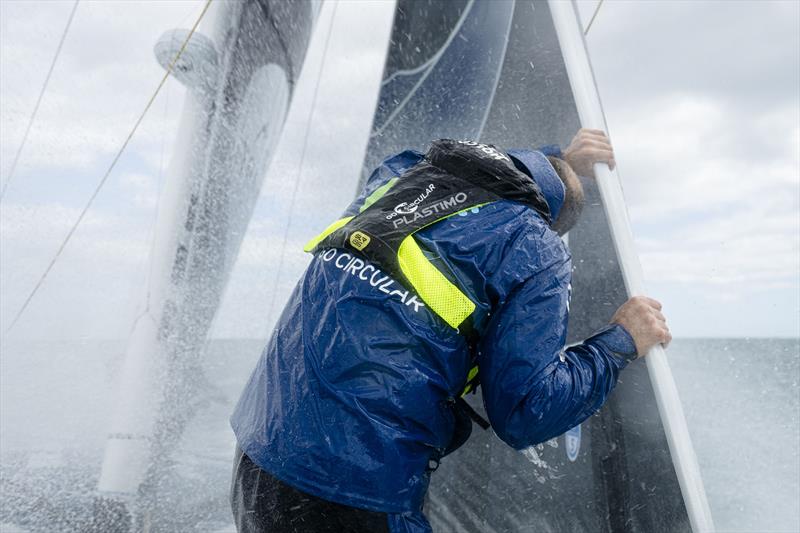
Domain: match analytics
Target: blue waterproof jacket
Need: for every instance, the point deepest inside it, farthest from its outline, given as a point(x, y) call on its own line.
point(353, 395)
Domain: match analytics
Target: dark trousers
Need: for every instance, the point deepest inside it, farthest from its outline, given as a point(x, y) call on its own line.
point(262, 503)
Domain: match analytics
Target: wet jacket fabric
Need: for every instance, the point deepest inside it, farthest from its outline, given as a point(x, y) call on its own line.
point(352, 399)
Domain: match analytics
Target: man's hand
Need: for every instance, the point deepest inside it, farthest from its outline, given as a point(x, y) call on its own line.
point(587, 148)
point(642, 317)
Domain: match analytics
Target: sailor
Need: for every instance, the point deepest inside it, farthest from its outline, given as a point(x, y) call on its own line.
point(446, 272)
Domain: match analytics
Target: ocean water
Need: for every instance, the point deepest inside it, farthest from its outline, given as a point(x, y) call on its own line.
point(741, 398)
point(742, 403)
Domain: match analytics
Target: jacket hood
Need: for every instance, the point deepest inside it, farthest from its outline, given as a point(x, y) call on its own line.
point(536, 165)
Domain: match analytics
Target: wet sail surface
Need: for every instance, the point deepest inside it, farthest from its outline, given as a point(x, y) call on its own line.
point(615, 473)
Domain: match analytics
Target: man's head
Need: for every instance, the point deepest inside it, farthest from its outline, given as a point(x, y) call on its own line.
point(573, 197)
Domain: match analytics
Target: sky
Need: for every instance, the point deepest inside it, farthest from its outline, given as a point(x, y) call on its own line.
point(701, 100)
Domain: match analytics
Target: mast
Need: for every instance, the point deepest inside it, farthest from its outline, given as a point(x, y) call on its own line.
point(587, 100)
point(239, 84)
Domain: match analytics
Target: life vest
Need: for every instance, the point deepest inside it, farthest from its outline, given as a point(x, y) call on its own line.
point(454, 176)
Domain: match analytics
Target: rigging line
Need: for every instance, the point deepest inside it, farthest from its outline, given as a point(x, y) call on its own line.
point(302, 161)
point(108, 172)
point(594, 15)
point(152, 230)
point(32, 118)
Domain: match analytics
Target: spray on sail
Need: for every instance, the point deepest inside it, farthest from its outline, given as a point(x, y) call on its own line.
point(494, 71)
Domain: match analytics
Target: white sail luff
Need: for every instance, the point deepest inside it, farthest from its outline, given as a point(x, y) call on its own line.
point(576, 59)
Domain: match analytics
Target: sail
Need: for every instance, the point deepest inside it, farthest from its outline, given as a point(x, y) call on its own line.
point(479, 69)
point(239, 81)
point(615, 471)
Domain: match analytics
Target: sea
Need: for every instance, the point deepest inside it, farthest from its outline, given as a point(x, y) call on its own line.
point(741, 397)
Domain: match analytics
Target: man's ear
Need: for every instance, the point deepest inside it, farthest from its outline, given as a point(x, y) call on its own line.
point(573, 197)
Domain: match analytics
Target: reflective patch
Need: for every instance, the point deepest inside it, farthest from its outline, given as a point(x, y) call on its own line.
point(572, 440)
point(441, 296)
point(310, 245)
point(377, 194)
point(359, 240)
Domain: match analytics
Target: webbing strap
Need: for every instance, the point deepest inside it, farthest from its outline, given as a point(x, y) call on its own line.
point(310, 245)
point(441, 296)
point(471, 380)
point(377, 194)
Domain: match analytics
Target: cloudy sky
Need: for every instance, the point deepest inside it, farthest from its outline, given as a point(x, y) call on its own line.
point(701, 100)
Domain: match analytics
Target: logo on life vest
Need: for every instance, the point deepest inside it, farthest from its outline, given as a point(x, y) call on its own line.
point(359, 240)
point(429, 210)
point(406, 208)
point(572, 439)
point(486, 149)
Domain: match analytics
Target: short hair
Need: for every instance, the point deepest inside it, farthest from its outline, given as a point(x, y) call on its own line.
point(573, 196)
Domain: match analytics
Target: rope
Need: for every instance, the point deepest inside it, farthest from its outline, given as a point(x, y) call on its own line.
point(38, 101)
point(596, 11)
point(302, 162)
point(108, 172)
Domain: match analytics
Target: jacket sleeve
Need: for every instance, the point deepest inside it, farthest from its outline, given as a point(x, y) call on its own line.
point(533, 388)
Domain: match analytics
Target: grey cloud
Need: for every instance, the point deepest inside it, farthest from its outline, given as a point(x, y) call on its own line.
point(744, 53)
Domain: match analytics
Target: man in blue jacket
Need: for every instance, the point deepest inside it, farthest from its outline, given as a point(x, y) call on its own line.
point(448, 269)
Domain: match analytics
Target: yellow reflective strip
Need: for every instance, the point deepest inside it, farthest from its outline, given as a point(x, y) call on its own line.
point(472, 373)
point(310, 245)
point(444, 298)
point(378, 193)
